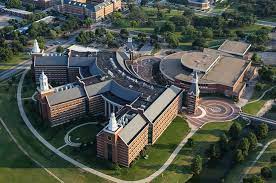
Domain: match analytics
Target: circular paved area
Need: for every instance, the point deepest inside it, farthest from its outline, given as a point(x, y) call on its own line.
point(213, 110)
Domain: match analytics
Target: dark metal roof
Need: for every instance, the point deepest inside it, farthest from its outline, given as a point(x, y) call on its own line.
point(153, 111)
point(132, 128)
point(66, 95)
point(51, 61)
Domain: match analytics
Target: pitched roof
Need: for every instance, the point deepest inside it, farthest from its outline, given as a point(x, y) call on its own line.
point(132, 128)
point(66, 95)
point(51, 60)
point(153, 111)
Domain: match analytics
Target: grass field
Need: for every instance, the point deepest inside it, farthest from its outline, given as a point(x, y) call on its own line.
point(265, 161)
point(16, 59)
point(253, 108)
point(15, 167)
point(179, 170)
point(236, 172)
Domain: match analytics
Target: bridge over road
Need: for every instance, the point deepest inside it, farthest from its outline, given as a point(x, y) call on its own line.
point(270, 122)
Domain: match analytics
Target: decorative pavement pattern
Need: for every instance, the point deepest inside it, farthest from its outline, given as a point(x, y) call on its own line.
point(213, 110)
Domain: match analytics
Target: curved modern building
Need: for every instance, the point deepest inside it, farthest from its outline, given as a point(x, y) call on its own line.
point(218, 72)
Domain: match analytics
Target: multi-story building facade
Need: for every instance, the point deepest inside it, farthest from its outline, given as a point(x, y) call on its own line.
point(138, 112)
point(96, 10)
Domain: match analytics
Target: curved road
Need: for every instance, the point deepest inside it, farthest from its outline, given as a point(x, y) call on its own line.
point(82, 166)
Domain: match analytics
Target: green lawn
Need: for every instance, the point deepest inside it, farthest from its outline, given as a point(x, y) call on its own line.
point(141, 168)
point(253, 108)
point(15, 164)
point(265, 161)
point(235, 174)
point(15, 167)
point(179, 170)
point(16, 59)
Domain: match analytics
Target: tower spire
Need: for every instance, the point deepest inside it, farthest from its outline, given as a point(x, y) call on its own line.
point(43, 80)
point(112, 125)
point(36, 48)
point(194, 89)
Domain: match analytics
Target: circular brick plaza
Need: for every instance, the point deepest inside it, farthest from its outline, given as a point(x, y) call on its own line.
point(213, 110)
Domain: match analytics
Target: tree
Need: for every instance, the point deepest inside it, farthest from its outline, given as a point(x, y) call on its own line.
point(172, 39)
point(5, 54)
point(252, 140)
point(244, 146)
point(273, 159)
point(207, 33)
point(253, 179)
point(190, 142)
point(255, 57)
point(262, 131)
point(238, 157)
point(109, 36)
point(223, 142)
point(13, 4)
point(213, 152)
point(124, 33)
point(235, 130)
point(167, 27)
point(266, 172)
point(53, 34)
point(144, 2)
point(196, 166)
point(60, 49)
point(88, 22)
point(199, 43)
point(17, 46)
point(266, 73)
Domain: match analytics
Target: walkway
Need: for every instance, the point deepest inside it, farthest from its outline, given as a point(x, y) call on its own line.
point(82, 166)
point(213, 110)
point(27, 154)
point(260, 98)
point(265, 120)
point(257, 158)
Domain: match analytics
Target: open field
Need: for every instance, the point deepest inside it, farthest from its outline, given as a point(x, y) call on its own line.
point(13, 167)
point(179, 170)
point(236, 172)
point(265, 161)
point(16, 59)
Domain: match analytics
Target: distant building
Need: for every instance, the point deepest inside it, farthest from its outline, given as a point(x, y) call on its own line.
point(96, 10)
point(40, 3)
point(200, 4)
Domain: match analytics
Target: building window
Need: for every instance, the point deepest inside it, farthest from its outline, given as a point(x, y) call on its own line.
point(109, 138)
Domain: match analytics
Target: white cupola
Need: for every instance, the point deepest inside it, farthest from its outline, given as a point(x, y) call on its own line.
point(43, 80)
point(112, 125)
point(36, 48)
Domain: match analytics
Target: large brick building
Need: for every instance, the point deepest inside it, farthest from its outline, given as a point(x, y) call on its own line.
point(96, 10)
point(224, 71)
point(138, 112)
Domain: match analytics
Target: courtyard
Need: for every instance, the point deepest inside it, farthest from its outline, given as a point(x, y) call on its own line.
point(213, 110)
